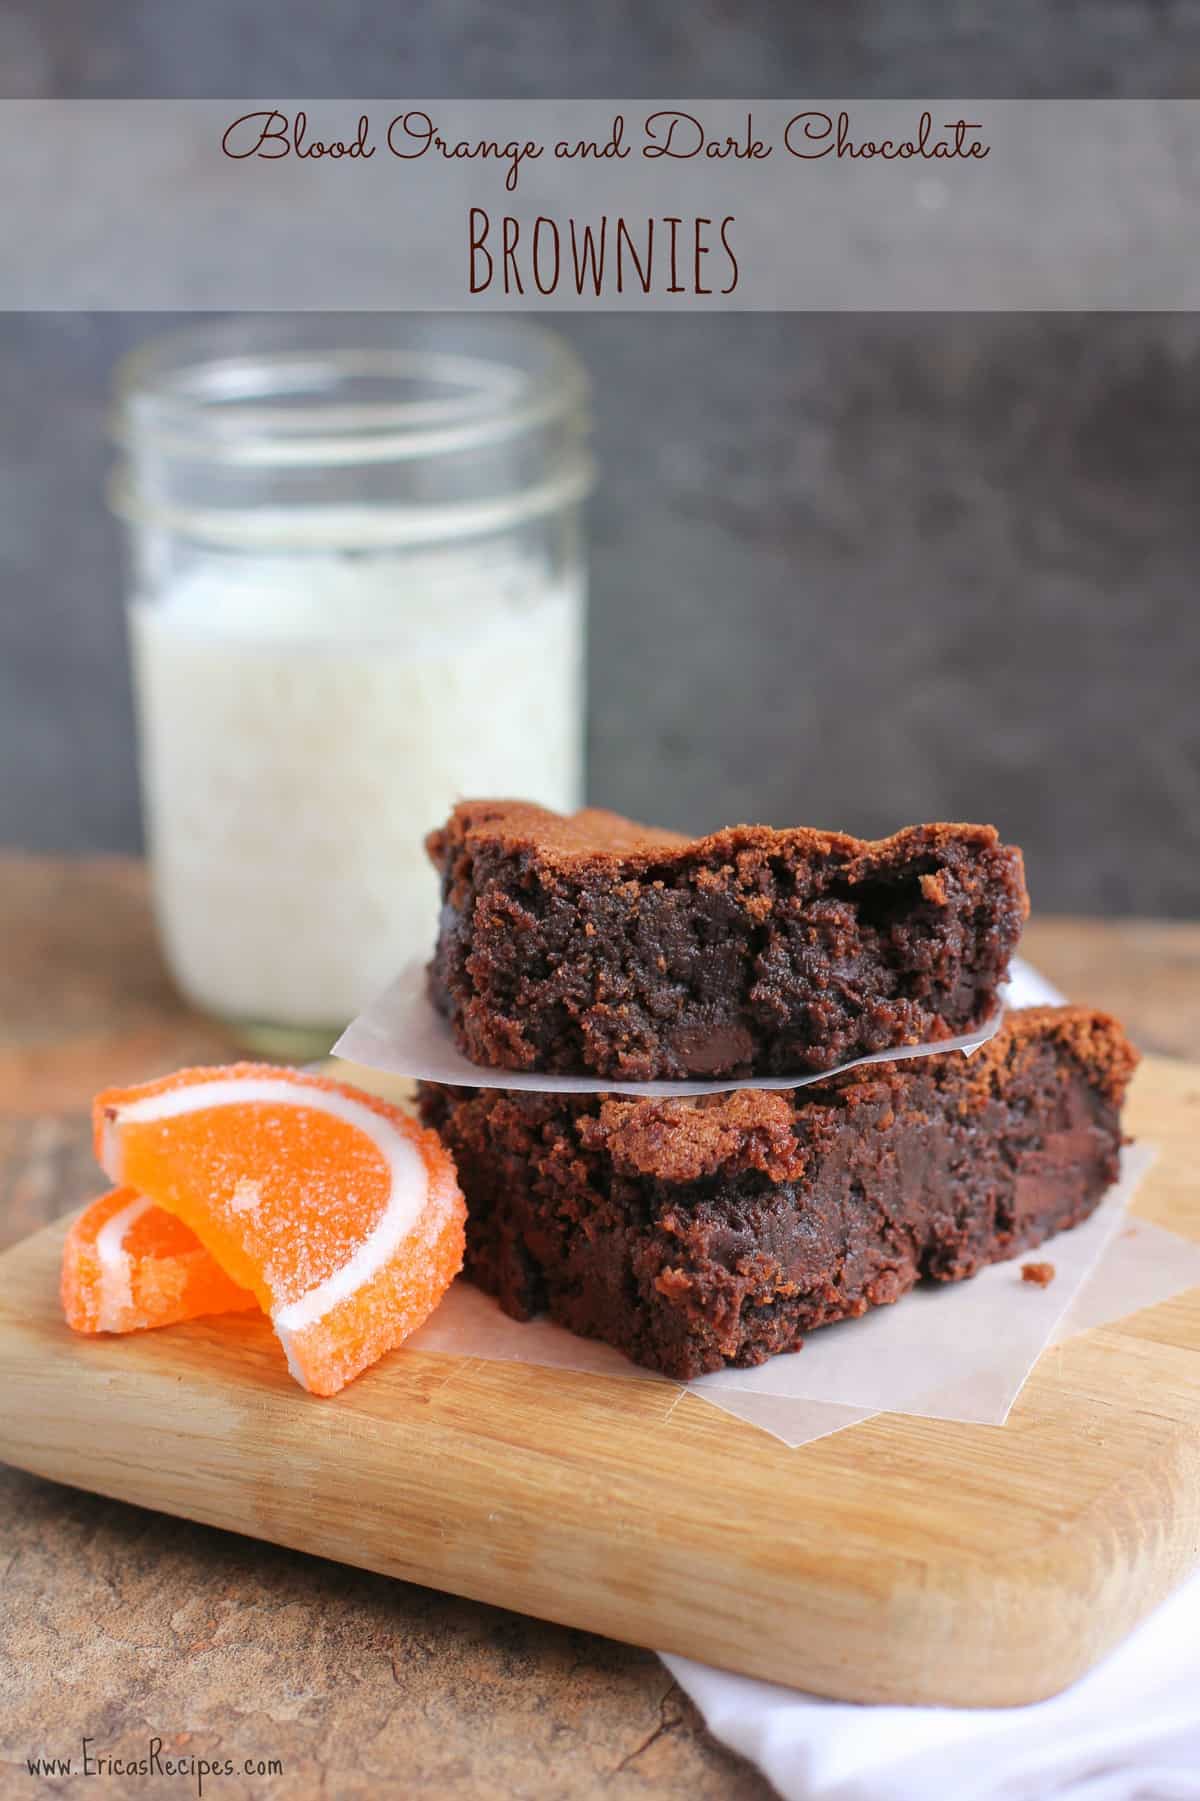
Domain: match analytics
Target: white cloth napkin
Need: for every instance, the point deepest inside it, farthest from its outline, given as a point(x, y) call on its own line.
point(1127, 1731)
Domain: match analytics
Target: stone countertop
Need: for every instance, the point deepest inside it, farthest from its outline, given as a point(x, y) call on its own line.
point(122, 1625)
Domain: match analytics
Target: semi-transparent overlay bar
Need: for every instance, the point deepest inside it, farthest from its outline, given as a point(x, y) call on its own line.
point(764, 205)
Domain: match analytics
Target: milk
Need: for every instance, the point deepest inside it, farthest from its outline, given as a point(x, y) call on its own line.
point(305, 720)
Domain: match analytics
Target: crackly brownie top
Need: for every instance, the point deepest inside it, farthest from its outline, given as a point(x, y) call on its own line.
point(684, 1140)
point(597, 839)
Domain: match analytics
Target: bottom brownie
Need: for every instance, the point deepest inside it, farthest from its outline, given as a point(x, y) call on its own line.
point(696, 1233)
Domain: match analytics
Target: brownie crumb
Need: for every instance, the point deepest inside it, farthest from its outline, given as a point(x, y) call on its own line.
point(1040, 1274)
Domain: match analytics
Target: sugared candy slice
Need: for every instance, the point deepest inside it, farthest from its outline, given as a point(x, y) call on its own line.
point(336, 1210)
point(128, 1265)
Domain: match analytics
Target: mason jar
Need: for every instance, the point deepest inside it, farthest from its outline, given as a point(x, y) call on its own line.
point(357, 595)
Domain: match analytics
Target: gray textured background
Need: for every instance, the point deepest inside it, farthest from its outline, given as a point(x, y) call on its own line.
point(847, 570)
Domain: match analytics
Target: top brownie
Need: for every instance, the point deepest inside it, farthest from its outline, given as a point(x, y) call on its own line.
point(589, 944)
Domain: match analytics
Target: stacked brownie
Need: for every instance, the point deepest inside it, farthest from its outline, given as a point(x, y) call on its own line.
point(697, 1232)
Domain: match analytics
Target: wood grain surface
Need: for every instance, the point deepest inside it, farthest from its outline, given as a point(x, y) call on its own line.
point(235, 1646)
point(121, 1623)
point(903, 1560)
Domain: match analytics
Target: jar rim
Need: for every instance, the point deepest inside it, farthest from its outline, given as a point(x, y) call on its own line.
point(366, 528)
point(306, 389)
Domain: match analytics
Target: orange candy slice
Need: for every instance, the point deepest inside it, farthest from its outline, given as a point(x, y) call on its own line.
point(128, 1266)
point(340, 1214)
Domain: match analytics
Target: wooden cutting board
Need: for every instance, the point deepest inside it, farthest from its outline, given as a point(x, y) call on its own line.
point(901, 1560)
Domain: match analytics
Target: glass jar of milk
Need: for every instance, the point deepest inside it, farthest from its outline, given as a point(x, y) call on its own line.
point(357, 596)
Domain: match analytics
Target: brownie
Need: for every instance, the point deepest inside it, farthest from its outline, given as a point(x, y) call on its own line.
point(719, 1230)
point(586, 943)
